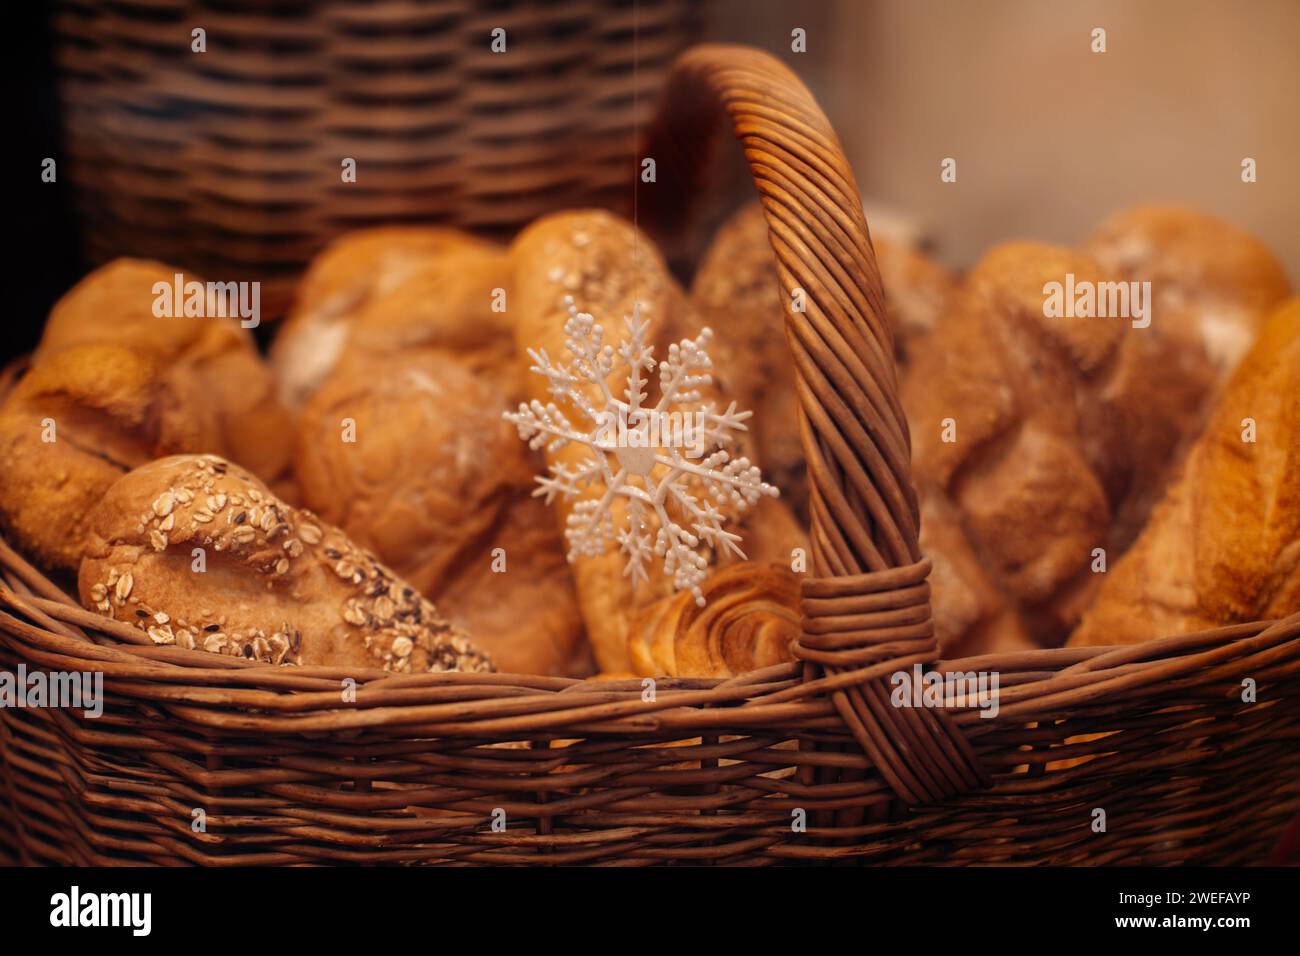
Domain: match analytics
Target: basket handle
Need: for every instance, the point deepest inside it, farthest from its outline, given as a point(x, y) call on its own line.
point(866, 604)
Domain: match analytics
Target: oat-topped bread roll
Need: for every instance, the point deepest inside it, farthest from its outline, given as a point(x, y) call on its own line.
point(1037, 429)
point(279, 585)
point(1213, 283)
point(1223, 546)
point(435, 481)
point(80, 419)
point(115, 304)
point(448, 303)
point(737, 293)
point(608, 269)
point(750, 620)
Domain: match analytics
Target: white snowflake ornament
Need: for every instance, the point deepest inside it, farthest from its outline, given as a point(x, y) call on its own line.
point(665, 459)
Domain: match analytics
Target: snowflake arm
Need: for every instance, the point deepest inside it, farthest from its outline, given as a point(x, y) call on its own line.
point(673, 506)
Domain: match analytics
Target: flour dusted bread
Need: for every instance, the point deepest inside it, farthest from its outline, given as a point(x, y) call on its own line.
point(211, 353)
point(434, 481)
point(1212, 286)
point(278, 585)
point(1224, 545)
point(401, 286)
point(75, 423)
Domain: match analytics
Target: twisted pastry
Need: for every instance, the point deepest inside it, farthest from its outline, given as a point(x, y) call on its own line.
point(749, 620)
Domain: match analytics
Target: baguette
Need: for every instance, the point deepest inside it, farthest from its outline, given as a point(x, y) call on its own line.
point(603, 263)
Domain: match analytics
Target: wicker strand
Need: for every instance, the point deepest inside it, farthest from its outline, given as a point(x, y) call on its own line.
point(864, 511)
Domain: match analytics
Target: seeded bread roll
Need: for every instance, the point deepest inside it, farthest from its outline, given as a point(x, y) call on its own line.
point(449, 303)
point(214, 354)
point(1223, 547)
point(435, 482)
point(277, 585)
point(79, 420)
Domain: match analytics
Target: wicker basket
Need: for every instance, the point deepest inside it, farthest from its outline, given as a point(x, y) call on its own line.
point(420, 767)
point(228, 162)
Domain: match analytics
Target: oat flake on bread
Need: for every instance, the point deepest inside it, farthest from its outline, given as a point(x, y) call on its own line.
point(196, 552)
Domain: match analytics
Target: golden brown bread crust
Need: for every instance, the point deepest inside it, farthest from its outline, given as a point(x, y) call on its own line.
point(1065, 427)
point(750, 620)
point(1213, 283)
point(430, 467)
point(1224, 545)
point(434, 483)
point(1212, 286)
point(972, 615)
point(526, 617)
point(278, 585)
point(114, 304)
point(599, 260)
point(917, 293)
point(449, 303)
point(111, 411)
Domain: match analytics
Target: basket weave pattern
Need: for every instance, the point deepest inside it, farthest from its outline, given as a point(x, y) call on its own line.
point(228, 161)
point(715, 771)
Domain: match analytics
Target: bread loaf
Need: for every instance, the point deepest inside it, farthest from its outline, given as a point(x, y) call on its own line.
point(601, 262)
point(212, 353)
point(410, 456)
point(269, 582)
point(1037, 428)
point(440, 487)
point(1212, 286)
point(1223, 546)
point(448, 303)
point(80, 419)
point(517, 596)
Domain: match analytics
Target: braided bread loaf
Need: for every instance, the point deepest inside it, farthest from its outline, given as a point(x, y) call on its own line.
point(1223, 546)
point(1037, 432)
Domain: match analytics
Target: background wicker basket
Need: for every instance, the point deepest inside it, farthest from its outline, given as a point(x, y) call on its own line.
point(228, 162)
point(420, 767)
